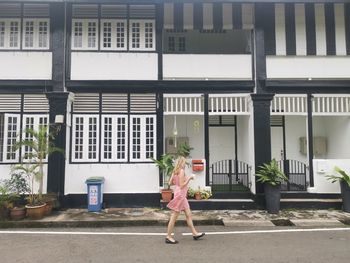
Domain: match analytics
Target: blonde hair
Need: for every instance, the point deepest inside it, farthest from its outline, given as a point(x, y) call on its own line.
point(180, 163)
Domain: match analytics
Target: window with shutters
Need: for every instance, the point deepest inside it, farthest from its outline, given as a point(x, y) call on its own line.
point(85, 138)
point(142, 137)
point(32, 122)
point(10, 32)
point(36, 33)
point(114, 138)
point(113, 34)
point(9, 131)
point(84, 34)
point(142, 34)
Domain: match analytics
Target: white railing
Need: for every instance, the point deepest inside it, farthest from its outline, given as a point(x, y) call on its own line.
point(289, 105)
point(325, 104)
point(228, 104)
point(183, 104)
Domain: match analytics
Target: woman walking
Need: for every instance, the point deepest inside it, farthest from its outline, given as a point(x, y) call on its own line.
point(179, 202)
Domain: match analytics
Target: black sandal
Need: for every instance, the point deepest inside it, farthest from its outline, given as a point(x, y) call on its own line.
point(199, 236)
point(168, 241)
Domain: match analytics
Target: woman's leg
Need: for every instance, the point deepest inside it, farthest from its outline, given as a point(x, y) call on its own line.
point(190, 222)
point(171, 224)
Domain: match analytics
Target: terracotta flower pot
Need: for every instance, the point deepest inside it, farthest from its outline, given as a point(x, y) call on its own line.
point(18, 213)
point(197, 196)
point(36, 212)
point(167, 195)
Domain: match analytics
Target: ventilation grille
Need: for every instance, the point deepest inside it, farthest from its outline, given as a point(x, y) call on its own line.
point(36, 10)
point(143, 103)
point(222, 120)
point(113, 11)
point(85, 11)
point(10, 10)
point(86, 102)
point(142, 11)
point(276, 120)
point(36, 103)
point(114, 103)
point(10, 103)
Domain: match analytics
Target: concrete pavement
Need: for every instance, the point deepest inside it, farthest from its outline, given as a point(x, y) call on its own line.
point(158, 217)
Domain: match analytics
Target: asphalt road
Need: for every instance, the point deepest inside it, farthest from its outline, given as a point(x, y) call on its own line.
point(221, 244)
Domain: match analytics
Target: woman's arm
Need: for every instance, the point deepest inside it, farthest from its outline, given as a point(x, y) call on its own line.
point(183, 180)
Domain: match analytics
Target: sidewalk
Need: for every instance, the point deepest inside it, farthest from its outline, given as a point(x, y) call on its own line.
point(114, 217)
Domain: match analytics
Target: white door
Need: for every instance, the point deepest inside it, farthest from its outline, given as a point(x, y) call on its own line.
point(277, 143)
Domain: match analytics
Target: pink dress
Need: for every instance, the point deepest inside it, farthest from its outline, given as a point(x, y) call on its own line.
point(179, 202)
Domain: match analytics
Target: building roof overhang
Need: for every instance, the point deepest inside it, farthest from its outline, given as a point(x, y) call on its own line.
point(182, 1)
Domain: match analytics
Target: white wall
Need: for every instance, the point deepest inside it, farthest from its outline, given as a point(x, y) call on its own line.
point(119, 178)
point(245, 131)
point(5, 173)
point(186, 128)
point(323, 167)
point(114, 66)
point(281, 67)
point(338, 137)
point(26, 65)
point(221, 143)
point(295, 128)
point(212, 66)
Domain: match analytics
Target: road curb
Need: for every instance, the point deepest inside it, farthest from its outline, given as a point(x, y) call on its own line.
point(102, 223)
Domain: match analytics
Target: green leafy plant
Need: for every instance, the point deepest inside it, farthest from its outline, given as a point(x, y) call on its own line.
point(342, 176)
point(204, 193)
point(270, 173)
point(165, 164)
point(166, 161)
point(40, 146)
point(184, 150)
point(18, 186)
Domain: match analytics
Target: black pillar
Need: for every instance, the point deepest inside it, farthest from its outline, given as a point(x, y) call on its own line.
point(159, 38)
point(262, 132)
point(57, 99)
point(57, 15)
point(56, 162)
point(160, 131)
point(206, 137)
point(310, 139)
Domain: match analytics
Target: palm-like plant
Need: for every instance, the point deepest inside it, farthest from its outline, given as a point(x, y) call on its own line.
point(166, 165)
point(270, 173)
point(342, 176)
point(40, 145)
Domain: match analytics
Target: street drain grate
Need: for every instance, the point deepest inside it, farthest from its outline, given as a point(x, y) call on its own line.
point(282, 222)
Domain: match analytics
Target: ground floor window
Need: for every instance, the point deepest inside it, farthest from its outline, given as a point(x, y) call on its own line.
point(10, 133)
point(113, 128)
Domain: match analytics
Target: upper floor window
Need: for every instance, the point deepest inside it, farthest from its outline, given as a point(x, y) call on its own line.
point(10, 32)
point(113, 34)
point(141, 35)
point(84, 34)
point(24, 26)
point(36, 33)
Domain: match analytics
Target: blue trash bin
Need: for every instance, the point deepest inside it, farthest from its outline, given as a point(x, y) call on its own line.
point(95, 193)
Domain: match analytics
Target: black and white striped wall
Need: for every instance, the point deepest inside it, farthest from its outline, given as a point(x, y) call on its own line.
point(311, 29)
point(208, 16)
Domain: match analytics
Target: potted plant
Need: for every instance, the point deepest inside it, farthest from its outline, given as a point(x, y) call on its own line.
point(6, 201)
point(198, 194)
point(344, 179)
point(206, 193)
point(40, 147)
point(18, 186)
point(166, 165)
point(271, 176)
